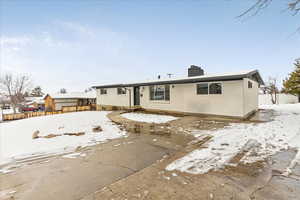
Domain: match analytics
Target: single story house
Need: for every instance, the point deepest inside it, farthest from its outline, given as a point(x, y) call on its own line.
point(228, 94)
point(55, 102)
point(36, 102)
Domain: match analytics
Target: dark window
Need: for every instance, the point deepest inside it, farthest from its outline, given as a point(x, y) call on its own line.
point(202, 88)
point(103, 91)
point(121, 91)
point(249, 84)
point(215, 88)
point(160, 92)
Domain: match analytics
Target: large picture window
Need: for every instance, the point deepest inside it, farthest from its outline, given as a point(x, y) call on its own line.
point(160, 92)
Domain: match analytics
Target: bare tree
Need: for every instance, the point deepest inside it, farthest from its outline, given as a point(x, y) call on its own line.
point(88, 89)
point(259, 5)
point(271, 88)
point(37, 92)
point(15, 86)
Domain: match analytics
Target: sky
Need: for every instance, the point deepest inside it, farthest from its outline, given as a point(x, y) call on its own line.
point(75, 44)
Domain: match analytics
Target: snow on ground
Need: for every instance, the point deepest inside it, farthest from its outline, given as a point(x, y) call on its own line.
point(149, 118)
point(8, 111)
point(256, 141)
point(16, 136)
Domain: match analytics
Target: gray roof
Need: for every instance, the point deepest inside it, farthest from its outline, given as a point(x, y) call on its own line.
point(74, 95)
point(252, 74)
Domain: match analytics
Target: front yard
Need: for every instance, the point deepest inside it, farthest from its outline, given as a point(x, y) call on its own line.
point(54, 134)
point(172, 155)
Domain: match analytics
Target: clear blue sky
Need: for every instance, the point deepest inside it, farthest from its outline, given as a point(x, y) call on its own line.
point(75, 44)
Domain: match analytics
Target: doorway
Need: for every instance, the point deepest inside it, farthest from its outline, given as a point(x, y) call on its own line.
point(136, 94)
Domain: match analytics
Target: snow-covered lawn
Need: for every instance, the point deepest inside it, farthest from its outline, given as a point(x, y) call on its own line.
point(16, 136)
point(149, 118)
point(8, 111)
point(256, 141)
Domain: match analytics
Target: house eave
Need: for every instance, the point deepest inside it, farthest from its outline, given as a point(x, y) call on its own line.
point(254, 75)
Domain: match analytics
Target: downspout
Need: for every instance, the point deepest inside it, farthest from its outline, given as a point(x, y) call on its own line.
point(129, 98)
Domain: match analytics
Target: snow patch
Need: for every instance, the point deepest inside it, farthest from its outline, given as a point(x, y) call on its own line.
point(16, 136)
point(252, 142)
point(74, 155)
point(149, 118)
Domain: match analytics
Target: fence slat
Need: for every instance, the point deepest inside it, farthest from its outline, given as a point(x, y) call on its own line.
point(65, 109)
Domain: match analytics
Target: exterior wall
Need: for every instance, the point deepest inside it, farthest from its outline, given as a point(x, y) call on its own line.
point(250, 96)
point(184, 98)
point(112, 98)
point(49, 103)
point(59, 103)
point(265, 99)
point(236, 99)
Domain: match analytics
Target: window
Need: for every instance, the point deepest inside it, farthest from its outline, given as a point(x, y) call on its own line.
point(160, 92)
point(209, 88)
point(202, 88)
point(103, 91)
point(215, 88)
point(121, 91)
point(249, 84)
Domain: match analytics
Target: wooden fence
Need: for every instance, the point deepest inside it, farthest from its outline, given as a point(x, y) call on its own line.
point(75, 108)
point(65, 109)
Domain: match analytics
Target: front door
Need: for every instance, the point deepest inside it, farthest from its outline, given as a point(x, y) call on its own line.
point(136, 92)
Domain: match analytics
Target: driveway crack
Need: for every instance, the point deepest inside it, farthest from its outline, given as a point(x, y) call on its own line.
point(118, 165)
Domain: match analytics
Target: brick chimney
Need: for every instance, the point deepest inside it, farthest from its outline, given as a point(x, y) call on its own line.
point(195, 71)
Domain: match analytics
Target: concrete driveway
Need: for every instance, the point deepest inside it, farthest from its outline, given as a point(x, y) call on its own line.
point(74, 178)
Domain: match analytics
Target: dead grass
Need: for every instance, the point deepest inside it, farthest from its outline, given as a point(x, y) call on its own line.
point(97, 129)
point(35, 135)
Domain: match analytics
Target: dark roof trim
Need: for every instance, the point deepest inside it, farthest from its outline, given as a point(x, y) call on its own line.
point(254, 75)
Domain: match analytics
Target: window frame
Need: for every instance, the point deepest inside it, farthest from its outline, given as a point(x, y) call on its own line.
point(103, 91)
point(121, 91)
point(166, 92)
point(250, 85)
point(221, 86)
point(197, 91)
point(208, 88)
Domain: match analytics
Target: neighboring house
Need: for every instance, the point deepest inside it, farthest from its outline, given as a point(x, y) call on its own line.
point(55, 102)
point(36, 102)
point(230, 94)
